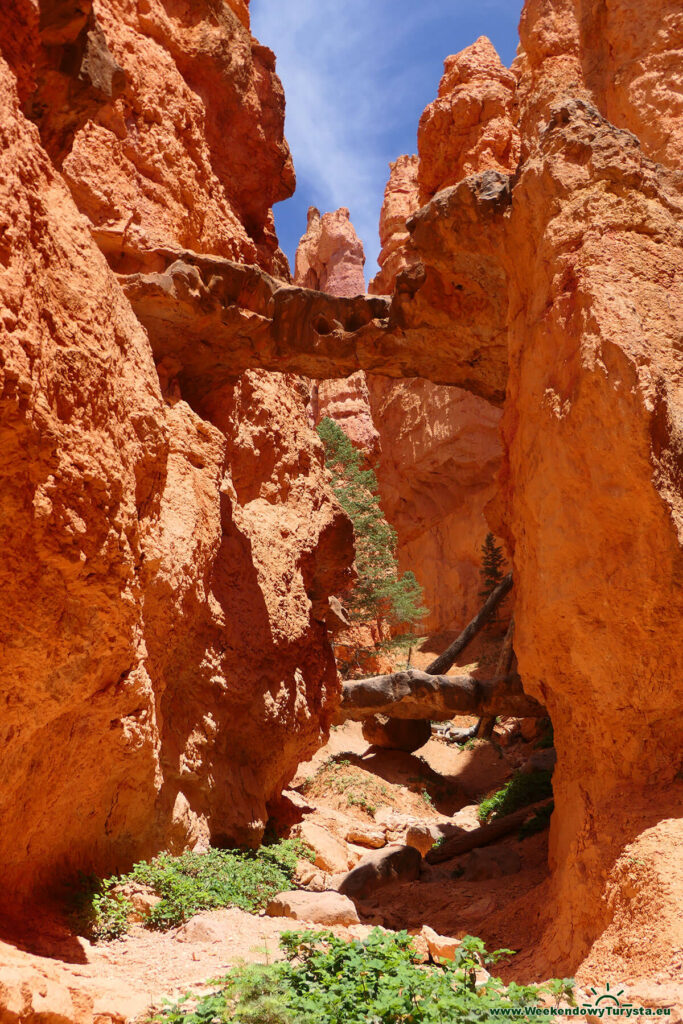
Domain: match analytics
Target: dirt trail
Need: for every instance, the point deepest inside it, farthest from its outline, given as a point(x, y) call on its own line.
point(349, 789)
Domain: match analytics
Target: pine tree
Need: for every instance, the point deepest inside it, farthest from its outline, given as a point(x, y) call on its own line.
point(381, 593)
point(492, 566)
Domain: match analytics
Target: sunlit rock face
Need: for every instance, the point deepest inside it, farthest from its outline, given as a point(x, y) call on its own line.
point(440, 447)
point(330, 258)
point(470, 127)
point(166, 557)
point(168, 541)
point(586, 258)
point(593, 445)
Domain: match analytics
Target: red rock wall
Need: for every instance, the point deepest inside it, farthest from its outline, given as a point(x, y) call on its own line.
point(165, 568)
point(583, 242)
point(593, 449)
point(440, 447)
point(436, 450)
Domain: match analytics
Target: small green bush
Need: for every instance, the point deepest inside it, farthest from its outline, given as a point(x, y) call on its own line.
point(381, 592)
point(325, 980)
point(520, 791)
point(190, 883)
point(538, 823)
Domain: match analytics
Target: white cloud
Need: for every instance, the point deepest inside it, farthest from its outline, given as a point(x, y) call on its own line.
point(349, 76)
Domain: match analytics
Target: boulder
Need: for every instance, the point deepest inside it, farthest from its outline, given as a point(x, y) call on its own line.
point(467, 818)
point(310, 877)
point(366, 835)
point(420, 945)
point(441, 947)
point(396, 733)
point(331, 854)
point(142, 898)
point(326, 908)
point(422, 837)
point(208, 928)
point(382, 868)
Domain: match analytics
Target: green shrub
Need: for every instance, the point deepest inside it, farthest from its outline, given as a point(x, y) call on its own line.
point(538, 823)
point(520, 791)
point(192, 882)
point(97, 909)
point(547, 738)
point(325, 980)
point(380, 593)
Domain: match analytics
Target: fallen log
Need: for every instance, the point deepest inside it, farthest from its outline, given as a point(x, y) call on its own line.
point(484, 835)
point(446, 660)
point(415, 694)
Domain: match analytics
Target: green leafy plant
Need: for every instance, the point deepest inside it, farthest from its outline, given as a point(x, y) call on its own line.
point(190, 883)
point(362, 801)
point(538, 822)
point(522, 789)
point(325, 980)
point(381, 593)
point(98, 909)
point(547, 738)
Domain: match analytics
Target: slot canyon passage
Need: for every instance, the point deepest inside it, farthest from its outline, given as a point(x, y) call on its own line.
point(175, 559)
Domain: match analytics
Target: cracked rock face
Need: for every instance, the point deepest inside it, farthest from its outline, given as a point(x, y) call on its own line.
point(440, 447)
point(592, 486)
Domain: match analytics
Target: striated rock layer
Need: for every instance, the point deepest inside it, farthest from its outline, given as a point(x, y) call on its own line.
point(166, 558)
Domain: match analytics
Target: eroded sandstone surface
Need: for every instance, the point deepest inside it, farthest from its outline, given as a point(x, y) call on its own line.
point(330, 258)
point(440, 447)
point(167, 556)
point(169, 544)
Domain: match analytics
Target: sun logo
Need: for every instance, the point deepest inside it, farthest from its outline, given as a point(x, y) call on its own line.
point(608, 996)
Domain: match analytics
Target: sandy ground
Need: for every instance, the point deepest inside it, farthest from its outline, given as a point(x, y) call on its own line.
point(125, 978)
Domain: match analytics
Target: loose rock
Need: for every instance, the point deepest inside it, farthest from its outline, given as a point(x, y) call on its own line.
point(327, 908)
point(366, 835)
point(396, 733)
point(331, 854)
point(441, 947)
point(377, 870)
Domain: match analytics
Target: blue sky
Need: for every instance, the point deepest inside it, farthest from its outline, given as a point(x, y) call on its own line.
point(357, 75)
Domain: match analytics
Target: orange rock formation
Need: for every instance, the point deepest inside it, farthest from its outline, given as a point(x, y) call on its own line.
point(330, 258)
point(165, 565)
point(168, 541)
point(580, 248)
point(440, 447)
point(439, 451)
point(470, 127)
point(593, 451)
